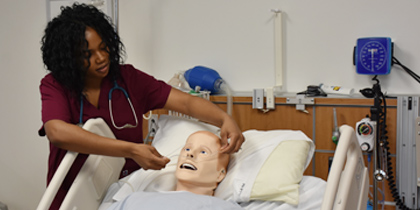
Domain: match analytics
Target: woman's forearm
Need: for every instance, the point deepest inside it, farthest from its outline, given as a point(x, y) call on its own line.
point(196, 107)
point(71, 137)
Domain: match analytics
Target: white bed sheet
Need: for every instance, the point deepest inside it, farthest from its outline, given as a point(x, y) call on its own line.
point(173, 200)
point(311, 192)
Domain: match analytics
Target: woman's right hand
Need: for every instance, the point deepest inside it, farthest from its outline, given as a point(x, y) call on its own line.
point(148, 157)
point(72, 137)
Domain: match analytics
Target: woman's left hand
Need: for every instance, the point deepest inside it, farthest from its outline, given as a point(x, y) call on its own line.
point(206, 111)
point(231, 136)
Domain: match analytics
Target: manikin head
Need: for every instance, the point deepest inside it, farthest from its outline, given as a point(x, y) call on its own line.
point(201, 166)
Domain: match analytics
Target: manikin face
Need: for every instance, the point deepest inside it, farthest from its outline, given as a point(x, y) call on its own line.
point(200, 162)
point(99, 57)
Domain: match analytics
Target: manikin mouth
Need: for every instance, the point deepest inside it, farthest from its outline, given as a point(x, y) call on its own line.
point(188, 166)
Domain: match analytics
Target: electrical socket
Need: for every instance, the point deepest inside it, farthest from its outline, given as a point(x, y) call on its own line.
point(269, 98)
point(258, 99)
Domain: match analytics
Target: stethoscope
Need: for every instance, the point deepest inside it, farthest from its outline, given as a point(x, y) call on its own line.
point(116, 87)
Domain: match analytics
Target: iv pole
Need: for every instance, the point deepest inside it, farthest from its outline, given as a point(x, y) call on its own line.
point(376, 111)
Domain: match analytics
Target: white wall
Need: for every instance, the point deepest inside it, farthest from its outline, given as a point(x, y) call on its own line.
point(162, 37)
point(22, 152)
point(236, 38)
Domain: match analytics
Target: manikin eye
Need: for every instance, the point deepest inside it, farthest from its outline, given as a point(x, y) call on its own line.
point(203, 152)
point(187, 149)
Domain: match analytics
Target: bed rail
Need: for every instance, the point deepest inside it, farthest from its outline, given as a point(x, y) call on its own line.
point(93, 180)
point(348, 188)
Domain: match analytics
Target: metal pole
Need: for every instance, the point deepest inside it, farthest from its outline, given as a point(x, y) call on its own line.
point(375, 166)
point(115, 11)
point(375, 111)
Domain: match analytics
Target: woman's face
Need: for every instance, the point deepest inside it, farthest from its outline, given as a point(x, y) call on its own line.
point(99, 56)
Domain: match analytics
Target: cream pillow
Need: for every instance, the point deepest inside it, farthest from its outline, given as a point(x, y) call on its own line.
point(279, 177)
point(264, 170)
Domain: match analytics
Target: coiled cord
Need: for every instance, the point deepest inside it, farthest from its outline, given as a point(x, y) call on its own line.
point(391, 181)
point(383, 138)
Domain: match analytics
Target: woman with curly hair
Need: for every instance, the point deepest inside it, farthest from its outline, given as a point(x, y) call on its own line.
point(83, 53)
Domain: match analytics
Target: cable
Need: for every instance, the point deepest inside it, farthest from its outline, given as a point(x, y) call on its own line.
point(411, 73)
point(383, 138)
point(384, 141)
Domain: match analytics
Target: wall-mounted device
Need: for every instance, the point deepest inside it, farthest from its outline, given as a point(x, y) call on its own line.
point(407, 143)
point(365, 132)
point(258, 99)
point(373, 55)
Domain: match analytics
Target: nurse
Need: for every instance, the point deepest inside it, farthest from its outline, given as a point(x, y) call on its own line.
point(87, 80)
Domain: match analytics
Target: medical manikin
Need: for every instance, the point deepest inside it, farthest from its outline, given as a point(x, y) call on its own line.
point(200, 168)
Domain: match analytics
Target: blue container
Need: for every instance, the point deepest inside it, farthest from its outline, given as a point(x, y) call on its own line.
point(208, 79)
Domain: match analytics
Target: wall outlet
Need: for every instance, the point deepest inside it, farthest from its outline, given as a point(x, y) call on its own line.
point(269, 98)
point(258, 99)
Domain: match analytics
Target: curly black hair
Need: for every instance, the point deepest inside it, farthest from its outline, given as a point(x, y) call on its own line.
point(64, 45)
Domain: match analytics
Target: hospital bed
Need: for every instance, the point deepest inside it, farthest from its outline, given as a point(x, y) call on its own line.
point(267, 173)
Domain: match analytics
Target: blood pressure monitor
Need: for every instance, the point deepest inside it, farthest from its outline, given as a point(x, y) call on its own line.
point(373, 55)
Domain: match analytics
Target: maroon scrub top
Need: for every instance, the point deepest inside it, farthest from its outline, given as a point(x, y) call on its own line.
point(146, 93)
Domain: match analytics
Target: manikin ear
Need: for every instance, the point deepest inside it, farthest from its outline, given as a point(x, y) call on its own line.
point(222, 175)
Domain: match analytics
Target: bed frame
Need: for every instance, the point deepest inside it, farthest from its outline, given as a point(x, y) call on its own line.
point(346, 188)
point(93, 180)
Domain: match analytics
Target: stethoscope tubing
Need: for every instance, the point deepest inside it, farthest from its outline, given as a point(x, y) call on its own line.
point(116, 87)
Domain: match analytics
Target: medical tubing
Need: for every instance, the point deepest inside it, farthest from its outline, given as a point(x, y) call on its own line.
point(203, 159)
point(127, 125)
point(229, 101)
point(81, 111)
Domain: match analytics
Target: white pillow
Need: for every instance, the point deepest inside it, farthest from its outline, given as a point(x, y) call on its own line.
point(173, 132)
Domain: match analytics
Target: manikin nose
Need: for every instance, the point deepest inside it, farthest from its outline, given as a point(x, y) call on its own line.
point(190, 155)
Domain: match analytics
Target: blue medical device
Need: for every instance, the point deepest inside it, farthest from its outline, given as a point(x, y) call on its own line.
point(373, 55)
point(206, 78)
